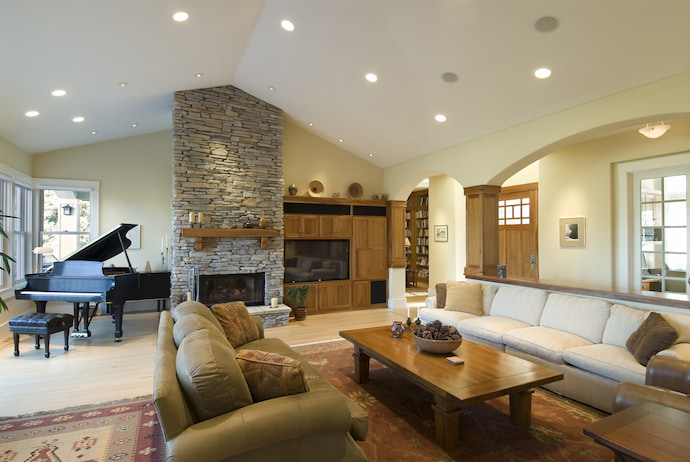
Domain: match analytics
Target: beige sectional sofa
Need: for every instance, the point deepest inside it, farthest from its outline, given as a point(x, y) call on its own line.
point(584, 338)
point(192, 351)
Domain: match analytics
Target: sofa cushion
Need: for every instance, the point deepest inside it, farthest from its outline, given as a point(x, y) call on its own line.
point(525, 305)
point(681, 323)
point(447, 317)
point(611, 361)
point(677, 350)
point(488, 294)
point(270, 375)
point(441, 295)
point(490, 328)
point(190, 323)
point(543, 342)
point(192, 307)
point(464, 296)
point(653, 335)
point(622, 322)
point(210, 376)
point(584, 317)
point(237, 323)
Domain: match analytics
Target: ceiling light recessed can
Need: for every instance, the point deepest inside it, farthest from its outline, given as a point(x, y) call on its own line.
point(58, 93)
point(371, 77)
point(271, 88)
point(31, 113)
point(440, 118)
point(93, 132)
point(371, 154)
point(134, 125)
point(78, 119)
point(287, 25)
point(546, 24)
point(123, 84)
point(341, 140)
point(181, 16)
point(449, 77)
point(199, 75)
point(542, 73)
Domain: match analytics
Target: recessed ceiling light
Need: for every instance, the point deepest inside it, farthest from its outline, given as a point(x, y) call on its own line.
point(440, 118)
point(310, 124)
point(341, 140)
point(546, 24)
point(123, 84)
point(371, 154)
point(31, 113)
point(78, 119)
point(181, 16)
point(271, 88)
point(287, 25)
point(542, 73)
point(371, 77)
point(449, 77)
point(58, 93)
point(93, 132)
point(199, 75)
point(134, 125)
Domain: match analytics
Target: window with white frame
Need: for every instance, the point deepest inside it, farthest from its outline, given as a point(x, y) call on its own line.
point(15, 202)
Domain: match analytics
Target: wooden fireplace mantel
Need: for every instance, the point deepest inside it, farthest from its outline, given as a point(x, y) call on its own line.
point(200, 233)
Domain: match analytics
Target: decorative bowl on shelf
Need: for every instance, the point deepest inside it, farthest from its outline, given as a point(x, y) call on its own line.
point(437, 346)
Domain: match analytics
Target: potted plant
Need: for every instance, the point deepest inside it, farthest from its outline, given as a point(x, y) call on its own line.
point(297, 296)
point(6, 259)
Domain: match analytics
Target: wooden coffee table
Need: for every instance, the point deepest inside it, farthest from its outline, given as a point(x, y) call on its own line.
point(646, 432)
point(486, 374)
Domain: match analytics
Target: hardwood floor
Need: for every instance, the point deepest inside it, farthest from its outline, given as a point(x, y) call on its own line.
point(97, 369)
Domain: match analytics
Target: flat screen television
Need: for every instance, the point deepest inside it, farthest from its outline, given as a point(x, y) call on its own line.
point(316, 260)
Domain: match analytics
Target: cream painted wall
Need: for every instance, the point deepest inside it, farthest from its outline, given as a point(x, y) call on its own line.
point(135, 176)
point(307, 158)
point(579, 181)
point(529, 174)
point(14, 157)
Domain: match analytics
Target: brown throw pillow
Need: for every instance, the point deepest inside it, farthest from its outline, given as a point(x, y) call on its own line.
point(237, 323)
point(653, 335)
point(464, 296)
point(270, 375)
point(441, 295)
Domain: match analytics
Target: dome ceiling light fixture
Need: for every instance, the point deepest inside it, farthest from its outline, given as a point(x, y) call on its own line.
point(654, 130)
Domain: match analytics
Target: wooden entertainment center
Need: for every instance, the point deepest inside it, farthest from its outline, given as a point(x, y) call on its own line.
point(361, 227)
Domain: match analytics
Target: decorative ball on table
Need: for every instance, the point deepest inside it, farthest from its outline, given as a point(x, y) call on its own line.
point(434, 337)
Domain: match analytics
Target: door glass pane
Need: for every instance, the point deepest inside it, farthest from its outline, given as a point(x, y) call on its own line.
point(66, 222)
point(675, 214)
point(651, 263)
point(676, 240)
point(674, 188)
point(650, 190)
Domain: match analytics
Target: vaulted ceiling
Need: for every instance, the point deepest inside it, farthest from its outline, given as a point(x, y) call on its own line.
point(473, 61)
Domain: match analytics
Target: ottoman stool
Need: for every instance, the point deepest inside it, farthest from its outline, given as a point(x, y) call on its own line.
point(40, 324)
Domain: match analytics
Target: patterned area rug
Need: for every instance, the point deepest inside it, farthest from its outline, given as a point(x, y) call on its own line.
point(401, 422)
point(123, 431)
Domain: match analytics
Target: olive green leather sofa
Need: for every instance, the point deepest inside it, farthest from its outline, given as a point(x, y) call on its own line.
point(318, 425)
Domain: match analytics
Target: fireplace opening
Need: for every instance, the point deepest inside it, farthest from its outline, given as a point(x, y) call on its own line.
point(222, 288)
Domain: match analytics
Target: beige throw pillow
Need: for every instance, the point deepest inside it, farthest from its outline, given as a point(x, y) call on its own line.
point(464, 296)
point(237, 323)
point(270, 375)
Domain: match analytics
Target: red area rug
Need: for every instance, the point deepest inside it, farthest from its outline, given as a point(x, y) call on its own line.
point(123, 431)
point(401, 421)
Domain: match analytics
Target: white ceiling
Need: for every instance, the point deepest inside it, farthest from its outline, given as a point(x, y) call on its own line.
point(88, 47)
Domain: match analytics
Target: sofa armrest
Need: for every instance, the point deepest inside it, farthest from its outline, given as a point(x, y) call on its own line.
point(260, 325)
point(262, 424)
point(629, 394)
point(430, 302)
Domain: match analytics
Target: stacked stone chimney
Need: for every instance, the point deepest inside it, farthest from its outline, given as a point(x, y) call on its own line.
point(228, 165)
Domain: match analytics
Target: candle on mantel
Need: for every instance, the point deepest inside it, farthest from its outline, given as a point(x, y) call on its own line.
point(201, 217)
point(191, 217)
point(408, 311)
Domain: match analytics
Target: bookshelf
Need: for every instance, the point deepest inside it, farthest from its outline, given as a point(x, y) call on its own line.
point(417, 231)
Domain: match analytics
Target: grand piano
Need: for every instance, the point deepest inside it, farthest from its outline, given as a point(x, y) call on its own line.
point(82, 279)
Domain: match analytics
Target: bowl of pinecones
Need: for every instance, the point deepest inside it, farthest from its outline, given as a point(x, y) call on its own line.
point(434, 337)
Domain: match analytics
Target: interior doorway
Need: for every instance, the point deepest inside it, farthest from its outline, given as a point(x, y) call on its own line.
point(518, 234)
point(417, 241)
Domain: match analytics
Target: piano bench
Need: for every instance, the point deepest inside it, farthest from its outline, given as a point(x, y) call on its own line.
point(40, 324)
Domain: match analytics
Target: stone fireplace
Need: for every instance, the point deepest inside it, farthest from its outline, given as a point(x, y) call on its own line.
point(221, 288)
point(228, 165)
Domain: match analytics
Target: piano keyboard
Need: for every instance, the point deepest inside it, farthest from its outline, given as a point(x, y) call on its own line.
point(62, 294)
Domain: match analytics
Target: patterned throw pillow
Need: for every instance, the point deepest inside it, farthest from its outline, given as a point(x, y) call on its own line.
point(270, 375)
point(653, 335)
point(237, 323)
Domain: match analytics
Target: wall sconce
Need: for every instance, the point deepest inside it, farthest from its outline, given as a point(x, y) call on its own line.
point(67, 209)
point(654, 130)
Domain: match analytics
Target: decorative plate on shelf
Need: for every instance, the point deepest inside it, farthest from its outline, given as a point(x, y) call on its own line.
point(355, 191)
point(315, 188)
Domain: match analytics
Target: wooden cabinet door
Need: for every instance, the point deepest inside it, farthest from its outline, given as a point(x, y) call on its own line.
point(361, 293)
point(335, 226)
point(301, 226)
point(335, 296)
point(369, 247)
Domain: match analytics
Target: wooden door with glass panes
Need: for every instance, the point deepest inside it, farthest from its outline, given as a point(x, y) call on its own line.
point(518, 231)
point(663, 236)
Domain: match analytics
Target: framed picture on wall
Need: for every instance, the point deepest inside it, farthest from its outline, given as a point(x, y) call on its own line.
point(572, 232)
point(441, 233)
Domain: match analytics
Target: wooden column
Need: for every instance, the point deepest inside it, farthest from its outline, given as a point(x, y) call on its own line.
point(482, 229)
point(396, 234)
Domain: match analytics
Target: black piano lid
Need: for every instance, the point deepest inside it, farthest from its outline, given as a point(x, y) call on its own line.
point(105, 246)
